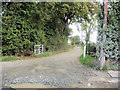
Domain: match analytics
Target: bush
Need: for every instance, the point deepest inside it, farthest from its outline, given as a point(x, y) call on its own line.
point(91, 49)
point(22, 29)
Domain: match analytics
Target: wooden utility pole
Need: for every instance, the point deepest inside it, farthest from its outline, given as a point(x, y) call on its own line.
point(105, 13)
point(102, 57)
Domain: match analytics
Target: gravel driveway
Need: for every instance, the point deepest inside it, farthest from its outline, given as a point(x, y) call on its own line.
point(59, 71)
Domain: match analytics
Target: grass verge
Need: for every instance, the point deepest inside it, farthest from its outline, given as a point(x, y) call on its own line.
point(111, 67)
point(91, 62)
point(88, 61)
point(82, 47)
point(45, 54)
point(10, 58)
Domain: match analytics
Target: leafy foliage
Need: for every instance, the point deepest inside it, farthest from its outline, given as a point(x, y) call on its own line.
point(88, 61)
point(75, 40)
point(91, 49)
point(112, 45)
point(82, 47)
point(25, 24)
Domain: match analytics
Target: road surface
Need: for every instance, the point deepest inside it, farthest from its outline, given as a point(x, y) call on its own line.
point(58, 71)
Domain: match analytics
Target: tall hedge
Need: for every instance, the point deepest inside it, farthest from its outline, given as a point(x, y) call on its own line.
point(18, 34)
point(25, 24)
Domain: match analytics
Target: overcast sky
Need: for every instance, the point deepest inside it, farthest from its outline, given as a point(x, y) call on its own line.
point(93, 36)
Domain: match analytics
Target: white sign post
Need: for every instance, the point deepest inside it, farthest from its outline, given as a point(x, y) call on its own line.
point(42, 48)
point(84, 51)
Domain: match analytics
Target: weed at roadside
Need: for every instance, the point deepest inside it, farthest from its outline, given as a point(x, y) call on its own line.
point(10, 58)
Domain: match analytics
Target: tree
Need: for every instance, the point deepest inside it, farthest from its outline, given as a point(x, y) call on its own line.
point(26, 24)
point(75, 40)
point(88, 27)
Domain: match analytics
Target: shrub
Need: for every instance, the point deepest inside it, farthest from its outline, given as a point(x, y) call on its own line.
point(91, 48)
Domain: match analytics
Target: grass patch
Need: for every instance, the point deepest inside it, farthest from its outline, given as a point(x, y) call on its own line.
point(10, 58)
point(82, 47)
point(111, 67)
point(91, 62)
point(115, 68)
point(88, 61)
point(44, 54)
point(69, 48)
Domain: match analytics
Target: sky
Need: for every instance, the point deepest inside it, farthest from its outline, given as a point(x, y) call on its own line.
point(93, 36)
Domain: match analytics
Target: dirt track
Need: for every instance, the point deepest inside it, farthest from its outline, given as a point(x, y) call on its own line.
point(59, 71)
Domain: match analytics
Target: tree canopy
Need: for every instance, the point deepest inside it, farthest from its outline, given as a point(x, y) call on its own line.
point(25, 24)
point(75, 40)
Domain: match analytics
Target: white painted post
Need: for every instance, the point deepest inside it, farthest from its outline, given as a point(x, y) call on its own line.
point(38, 49)
point(42, 48)
point(34, 49)
point(84, 51)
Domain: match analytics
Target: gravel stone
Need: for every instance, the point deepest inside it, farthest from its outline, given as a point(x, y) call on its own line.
point(61, 70)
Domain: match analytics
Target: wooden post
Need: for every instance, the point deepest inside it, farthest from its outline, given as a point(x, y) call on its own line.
point(102, 57)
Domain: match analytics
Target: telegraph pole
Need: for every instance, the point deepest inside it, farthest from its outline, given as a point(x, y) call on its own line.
point(104, 34)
